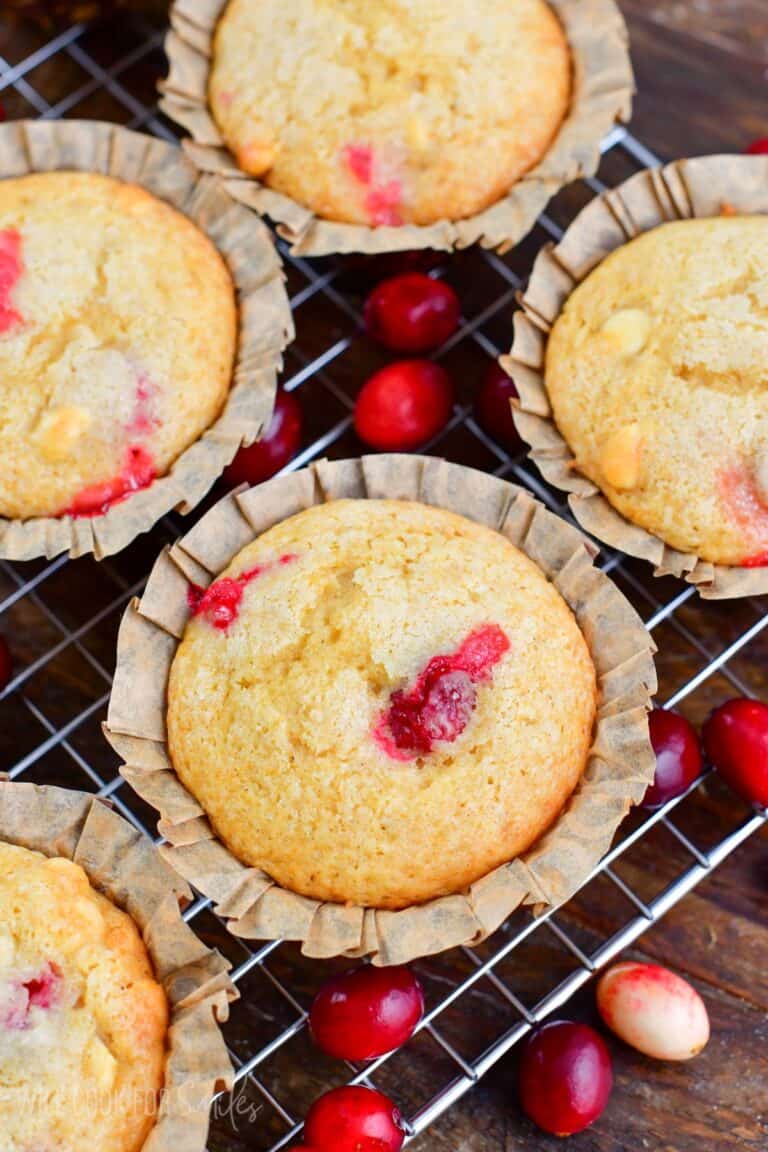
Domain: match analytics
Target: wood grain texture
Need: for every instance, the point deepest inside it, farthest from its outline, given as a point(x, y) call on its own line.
point(701, 69)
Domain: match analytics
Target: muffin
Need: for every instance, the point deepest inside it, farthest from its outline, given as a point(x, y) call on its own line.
point(379, 701)
point(82, 1020)
point(118, 327)
point(390, 114)
point(655, 370)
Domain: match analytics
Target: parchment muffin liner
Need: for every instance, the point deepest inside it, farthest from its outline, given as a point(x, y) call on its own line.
point(621, 762)
point(603, 90)
point(126, 867)
point(703, 187)
point(265, 325)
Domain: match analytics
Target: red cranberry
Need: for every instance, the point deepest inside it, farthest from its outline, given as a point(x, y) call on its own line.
point(758, 147)
point(412, 313)
point(6, 664)
point(736, 742)
point(565, 1077)
point(354, 1119)
point(678, 757)
point(403, 405)
point(493, 408)
point(366, 1012)
point(277, 447)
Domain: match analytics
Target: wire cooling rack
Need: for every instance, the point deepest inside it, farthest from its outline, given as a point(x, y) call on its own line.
point(61, 621)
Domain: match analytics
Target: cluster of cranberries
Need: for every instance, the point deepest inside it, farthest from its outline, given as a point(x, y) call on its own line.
point(735, 741)
point(360, 1015)
point(566, 1073)
point(410, 401)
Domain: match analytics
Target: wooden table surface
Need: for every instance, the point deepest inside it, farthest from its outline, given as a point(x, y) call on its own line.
point(701, 69)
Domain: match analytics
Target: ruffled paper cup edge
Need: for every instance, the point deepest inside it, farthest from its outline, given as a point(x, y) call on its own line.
point(685, 189)
point(126, 867)
point(621, 762)
point(265, 324)
point(603, 91)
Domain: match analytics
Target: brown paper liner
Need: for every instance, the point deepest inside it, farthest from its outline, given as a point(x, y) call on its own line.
point(684, 189)
point(621, 762)
point(603, 89)
point(126, 867)
point(265, 322)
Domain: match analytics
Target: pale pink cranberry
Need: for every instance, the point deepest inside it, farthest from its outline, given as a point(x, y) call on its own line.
point(653, 1010)
point(366, 1012)
point(736, 743)
point(566, 1077)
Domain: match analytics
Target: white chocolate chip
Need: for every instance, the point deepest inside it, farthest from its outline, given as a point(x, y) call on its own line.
point(59, 430)
point(416, 134)
point(628, 331)
point(100, 1064)
point(621, 457)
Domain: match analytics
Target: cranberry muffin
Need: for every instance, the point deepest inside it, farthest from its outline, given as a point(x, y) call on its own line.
point(379, 701)
point(83, 1021)
point(655, 370)
point(390, 113)
point(118, 326)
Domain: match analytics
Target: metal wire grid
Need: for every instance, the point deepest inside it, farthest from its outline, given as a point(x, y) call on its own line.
point(56, 733)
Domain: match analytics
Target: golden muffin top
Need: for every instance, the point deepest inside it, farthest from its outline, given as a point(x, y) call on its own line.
point(82, 1019)
point(390, 113)
point(379, 701)
point(656, 371)
point(117, 340)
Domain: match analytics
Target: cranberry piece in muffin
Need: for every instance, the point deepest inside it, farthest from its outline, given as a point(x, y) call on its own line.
point(11, 267)
point(440, 704)
point(220, 601)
